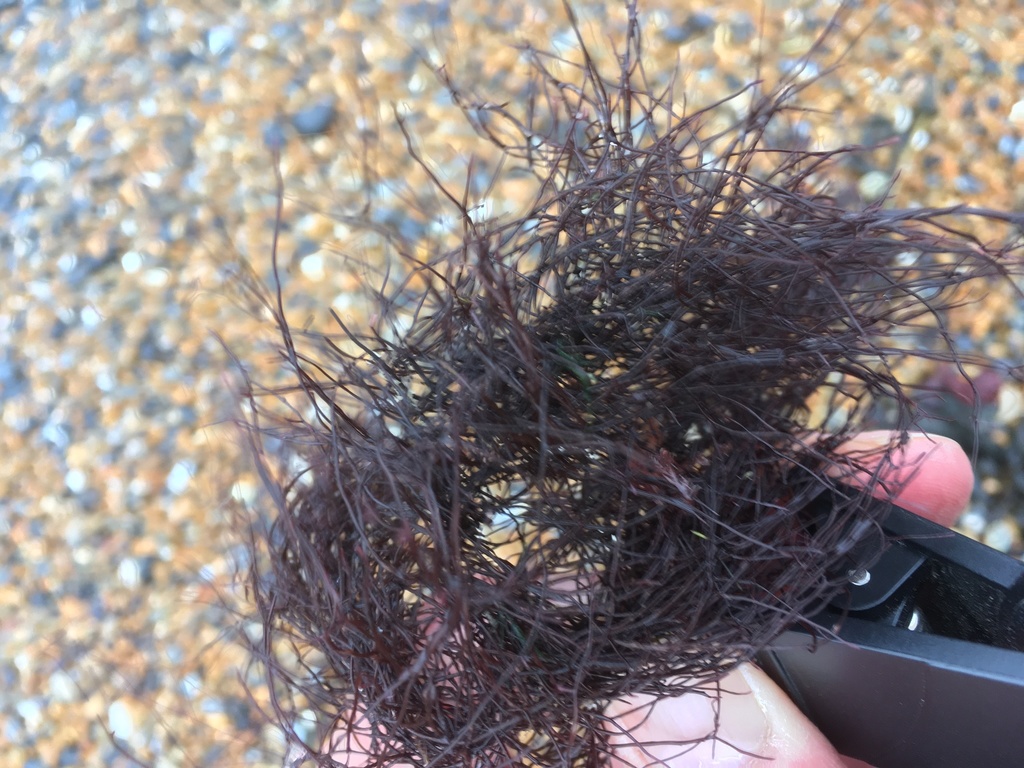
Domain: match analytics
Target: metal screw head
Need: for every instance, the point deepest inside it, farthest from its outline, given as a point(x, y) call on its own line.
point(860, 577)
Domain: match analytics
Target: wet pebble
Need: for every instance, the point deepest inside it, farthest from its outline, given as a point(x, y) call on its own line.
point(120, 720)
point(966, 184)
point(62, 687)
point(1011, 146)
point(220, 40)
point(742, 28)
point(874, 185)
point(273, 136)
point(31, 713)
point(1002, 535)
point(696, 24)
point(13, 382)
point(315, 119)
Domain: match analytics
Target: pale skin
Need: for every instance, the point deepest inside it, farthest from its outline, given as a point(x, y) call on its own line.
point(933, 478)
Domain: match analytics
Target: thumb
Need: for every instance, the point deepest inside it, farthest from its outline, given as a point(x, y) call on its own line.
point(751, 723)
point(789, 735)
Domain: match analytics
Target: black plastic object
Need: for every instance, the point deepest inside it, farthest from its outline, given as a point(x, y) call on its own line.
point(921, 661)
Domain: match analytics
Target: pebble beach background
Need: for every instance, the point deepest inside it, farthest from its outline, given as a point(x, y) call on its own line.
point(136, 176)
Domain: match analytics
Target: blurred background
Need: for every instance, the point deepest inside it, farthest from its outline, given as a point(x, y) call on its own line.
point(136, 180)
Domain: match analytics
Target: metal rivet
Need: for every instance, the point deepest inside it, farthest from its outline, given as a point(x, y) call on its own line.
point(915, 620)
point(860, 577)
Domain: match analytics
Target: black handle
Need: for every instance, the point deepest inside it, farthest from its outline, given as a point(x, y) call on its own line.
point(928, 667)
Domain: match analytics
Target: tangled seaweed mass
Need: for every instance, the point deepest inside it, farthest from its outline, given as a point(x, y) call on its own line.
point(573, 459)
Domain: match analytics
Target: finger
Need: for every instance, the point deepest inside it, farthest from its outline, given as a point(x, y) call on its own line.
point(791, 738)
point(757, 725)
point(350, 743)
point(757, 722)
point(931, 475)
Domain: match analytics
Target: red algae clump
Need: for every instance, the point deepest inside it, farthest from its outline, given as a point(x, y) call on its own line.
point(575, 457)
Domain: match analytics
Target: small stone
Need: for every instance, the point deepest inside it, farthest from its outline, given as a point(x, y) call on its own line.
point(179, 477)
point(220, 39)
point(64, 112)
point(876, 130)
point(1017, 113)
point(131, 262)
point(989, 67)
point(874, 185)
point(903, 118)
point(156, 278)
point(179, 59)
point(920, 139)
point(742, 28)
point(12, 190)
point(972, 523)
point(244, 491)
point(312, 267)
point(13, 381)
point(285, 31)
point(992, 486)
point(966, 184)
point(273, 136)
point(305, 726)
point(48, 171)
point(191, 685)
point(129, 572)
point(697, 24)
point(31, 711)
point(62, 687)
point(119, 720)
point(56, 434)
point(315, 119)
point(13, 731)
point(76, 481)
point(1002, 535)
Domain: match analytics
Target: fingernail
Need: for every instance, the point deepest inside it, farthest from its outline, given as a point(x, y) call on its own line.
point(744, 723)
point(681, 731)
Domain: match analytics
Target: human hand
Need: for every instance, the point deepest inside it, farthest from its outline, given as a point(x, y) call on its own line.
point(757, 725)
point(934, 479)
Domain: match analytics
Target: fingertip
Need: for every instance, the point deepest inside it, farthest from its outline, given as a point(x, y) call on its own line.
point(938, 478)
point(790, 735)
point(749, 723)
point(929, 475)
